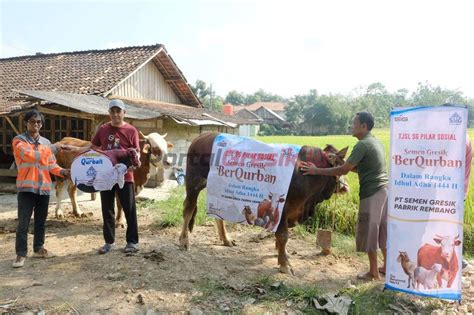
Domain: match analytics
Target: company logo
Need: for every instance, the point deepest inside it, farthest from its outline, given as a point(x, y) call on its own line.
point(91, 172)
point(401, 118)
point(455, 119)
point(87, 161)
point(222, 143)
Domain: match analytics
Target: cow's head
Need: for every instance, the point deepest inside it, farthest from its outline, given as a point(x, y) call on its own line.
point(447, 245)
point(134, 157)
point(336, 158)
point(275, 199)
point(158, 147)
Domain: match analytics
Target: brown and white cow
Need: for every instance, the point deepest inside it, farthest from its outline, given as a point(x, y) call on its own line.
point(152, 147)
point(268, 210)
point(303, 194)
point(445, 255)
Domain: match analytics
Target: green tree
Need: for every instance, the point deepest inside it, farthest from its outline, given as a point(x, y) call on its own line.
point(208, 96)
point(297, 110)
point(200, 89)
point(235, 98)
point(429, 95)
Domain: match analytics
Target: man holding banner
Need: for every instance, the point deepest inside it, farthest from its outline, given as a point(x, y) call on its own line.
point(368, 160)
point(117, 134)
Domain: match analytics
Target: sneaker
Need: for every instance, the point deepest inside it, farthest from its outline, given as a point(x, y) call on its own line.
point(43, 253)
point(106, 248)
point(465, 266)
point(131, 248)
point(18, 262)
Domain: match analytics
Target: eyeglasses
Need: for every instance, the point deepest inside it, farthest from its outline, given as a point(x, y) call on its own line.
point(33, 121)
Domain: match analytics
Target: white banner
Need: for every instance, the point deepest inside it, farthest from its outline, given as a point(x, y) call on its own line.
point(425, 200)
point(248, 180)
point(93, 171)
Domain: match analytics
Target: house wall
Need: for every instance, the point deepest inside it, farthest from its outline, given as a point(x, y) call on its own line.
point(267, 117)
point(147, 83)
point(245, 114)
point(249, 130)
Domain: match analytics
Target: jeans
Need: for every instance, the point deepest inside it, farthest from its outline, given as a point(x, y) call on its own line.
point(27, 204)
point(127, 199)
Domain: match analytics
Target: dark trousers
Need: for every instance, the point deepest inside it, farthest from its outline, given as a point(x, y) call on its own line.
point(27, 204)
point(127, 199)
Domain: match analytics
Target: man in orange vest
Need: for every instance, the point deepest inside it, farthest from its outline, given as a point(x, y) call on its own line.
point(35, 160)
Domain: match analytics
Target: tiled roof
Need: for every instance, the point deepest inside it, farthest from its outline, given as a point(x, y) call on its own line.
point(274, 106)
point(86, 72)
point(183, 111)
point(91, 104)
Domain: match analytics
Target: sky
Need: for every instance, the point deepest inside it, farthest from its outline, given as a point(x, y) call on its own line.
point(283, 47)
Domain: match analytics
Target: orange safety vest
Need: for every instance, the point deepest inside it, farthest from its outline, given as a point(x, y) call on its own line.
point(35, 160)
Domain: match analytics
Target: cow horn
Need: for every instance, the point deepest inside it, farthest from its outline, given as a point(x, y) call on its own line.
point(141, 135)
point(164, 135)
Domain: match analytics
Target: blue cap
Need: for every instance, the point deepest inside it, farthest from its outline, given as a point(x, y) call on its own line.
point(117, 103)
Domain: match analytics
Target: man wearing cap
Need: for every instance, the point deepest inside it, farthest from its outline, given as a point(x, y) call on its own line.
point(117, 134)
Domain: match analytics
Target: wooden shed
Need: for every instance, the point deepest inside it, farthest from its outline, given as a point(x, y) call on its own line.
point(72, 89)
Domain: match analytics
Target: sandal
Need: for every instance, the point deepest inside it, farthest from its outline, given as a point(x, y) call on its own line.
point(106, 248)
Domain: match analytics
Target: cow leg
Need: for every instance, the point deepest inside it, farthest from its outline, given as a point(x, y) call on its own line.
point(119, 221)
point(59, 189)
point(190, 206)
point(281, 239)
point(223, 233)
point(72, 191)
point(190, 210)
point(439, 278)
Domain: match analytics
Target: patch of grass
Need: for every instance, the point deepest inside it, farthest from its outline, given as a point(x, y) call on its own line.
point(276, 296)
point(343, 244)
point(369, 298)
point(169, 212)
point(276, 291)
point(209, 287)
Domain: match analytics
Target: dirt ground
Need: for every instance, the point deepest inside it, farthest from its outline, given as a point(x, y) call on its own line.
point(161, 277)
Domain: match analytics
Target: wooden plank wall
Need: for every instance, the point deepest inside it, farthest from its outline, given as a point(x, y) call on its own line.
point(147, 83)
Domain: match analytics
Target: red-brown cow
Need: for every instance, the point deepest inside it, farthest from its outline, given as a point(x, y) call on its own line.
point(445, 255)
point(151, 146)
point(303, 194)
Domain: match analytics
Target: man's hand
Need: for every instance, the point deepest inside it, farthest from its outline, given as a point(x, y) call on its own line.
point(308, 168)
point(66, 172)
point(67, 147)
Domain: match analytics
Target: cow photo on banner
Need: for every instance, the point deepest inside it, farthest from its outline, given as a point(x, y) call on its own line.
point(248, 180)
point(425, 202)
